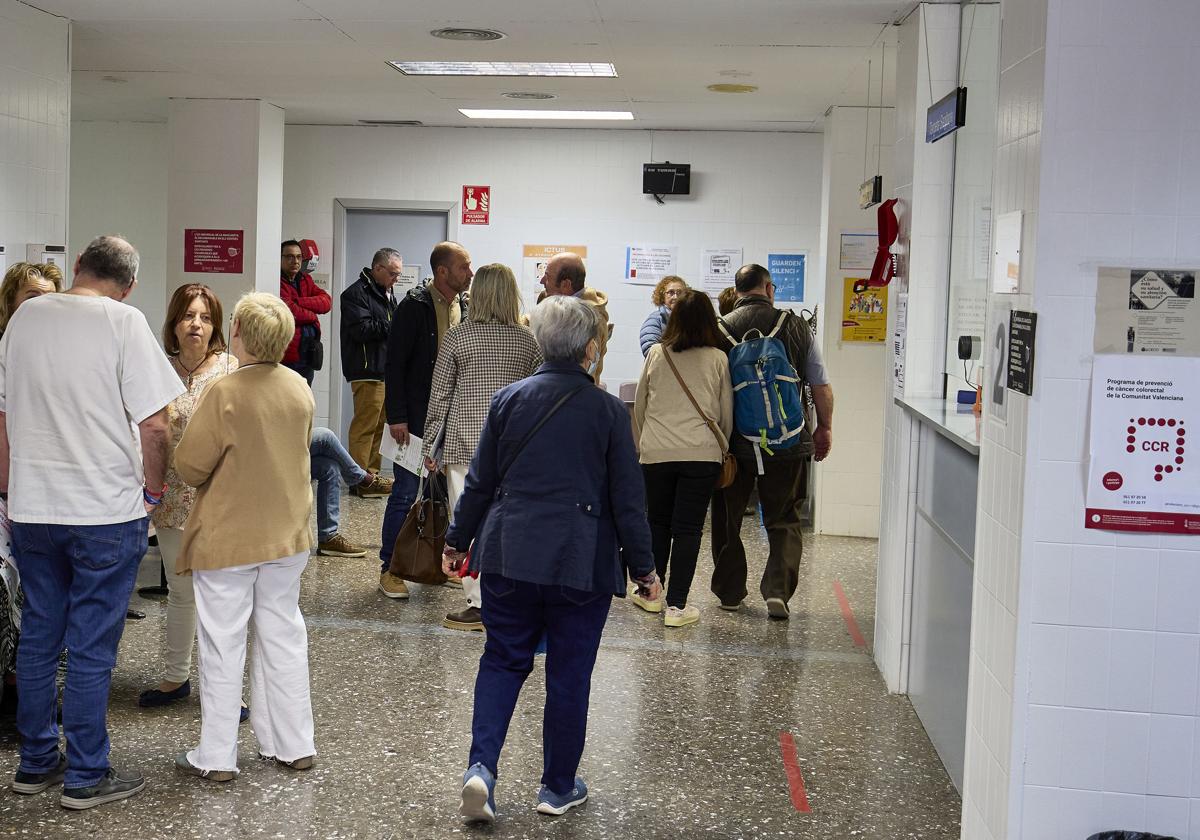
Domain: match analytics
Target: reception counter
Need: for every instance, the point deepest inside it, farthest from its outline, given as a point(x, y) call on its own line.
point(943, 570)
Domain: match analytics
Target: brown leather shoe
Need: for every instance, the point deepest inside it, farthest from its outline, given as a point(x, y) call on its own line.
point(339, 546)
point(467, 619)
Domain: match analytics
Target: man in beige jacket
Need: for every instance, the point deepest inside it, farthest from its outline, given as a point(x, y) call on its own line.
point(564, 275)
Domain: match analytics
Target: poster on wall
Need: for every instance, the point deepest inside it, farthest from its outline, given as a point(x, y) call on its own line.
point(981, 235)
point(645, 265)
point(410, 278)
point(787, 273)
point(899, 333)
point(476, 204)
point(864, 313)
point(717, 267)
point(1147, 310)
point(1140, 478)
point(213, 251)
point(534, 259)
point(856, 250)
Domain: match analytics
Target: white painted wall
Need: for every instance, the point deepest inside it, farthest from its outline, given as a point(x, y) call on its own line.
point(760, 191)
point(35, 107)
point(119, 185)
point(847, 501)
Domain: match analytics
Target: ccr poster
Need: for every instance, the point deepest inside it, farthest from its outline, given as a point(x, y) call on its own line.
point(1142, 476)
point(864, 313)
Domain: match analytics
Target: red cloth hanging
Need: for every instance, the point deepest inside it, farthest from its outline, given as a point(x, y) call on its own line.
point(885, 261)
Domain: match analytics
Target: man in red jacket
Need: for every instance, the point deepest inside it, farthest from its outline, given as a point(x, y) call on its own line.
point(307, 300)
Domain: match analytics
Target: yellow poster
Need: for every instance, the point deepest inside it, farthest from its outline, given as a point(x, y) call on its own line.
point(864, 313)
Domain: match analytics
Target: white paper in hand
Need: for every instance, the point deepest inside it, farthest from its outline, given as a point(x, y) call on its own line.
point(407, 456)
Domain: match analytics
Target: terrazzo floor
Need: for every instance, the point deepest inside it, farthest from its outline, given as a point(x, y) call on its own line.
point(684, 738)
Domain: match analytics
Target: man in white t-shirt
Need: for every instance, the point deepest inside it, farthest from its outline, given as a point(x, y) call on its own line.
point(83, 449)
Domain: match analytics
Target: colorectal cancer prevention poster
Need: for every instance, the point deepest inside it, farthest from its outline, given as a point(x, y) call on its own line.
point(1143, 476)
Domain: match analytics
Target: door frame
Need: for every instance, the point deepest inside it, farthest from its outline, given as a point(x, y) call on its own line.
point(340, 208)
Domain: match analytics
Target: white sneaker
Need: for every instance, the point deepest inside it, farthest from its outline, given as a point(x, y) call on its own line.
point(677, 617)
point(777, 608)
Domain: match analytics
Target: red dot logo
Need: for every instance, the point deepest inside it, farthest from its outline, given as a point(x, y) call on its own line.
point(1113, 481)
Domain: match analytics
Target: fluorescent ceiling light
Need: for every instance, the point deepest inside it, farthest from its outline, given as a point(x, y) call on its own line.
point(506, 68)
point(517, 114)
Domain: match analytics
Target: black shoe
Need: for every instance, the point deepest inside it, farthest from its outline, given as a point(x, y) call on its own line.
point(467, 619)
point(153, 698)
point(112, 788)
point(30, 783)
point(244, 714)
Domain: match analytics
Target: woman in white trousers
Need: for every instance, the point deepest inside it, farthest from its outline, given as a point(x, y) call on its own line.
point(246, 543)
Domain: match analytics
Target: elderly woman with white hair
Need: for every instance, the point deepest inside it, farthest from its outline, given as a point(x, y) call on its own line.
point(555, 505)
point(247, 548)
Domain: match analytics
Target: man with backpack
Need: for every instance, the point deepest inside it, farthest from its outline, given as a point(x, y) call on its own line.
point(772, 355)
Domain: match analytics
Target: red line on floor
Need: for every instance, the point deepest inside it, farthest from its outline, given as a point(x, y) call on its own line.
point(787, 746)
point(848, 615)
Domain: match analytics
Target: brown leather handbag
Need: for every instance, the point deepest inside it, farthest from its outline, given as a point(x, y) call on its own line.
point(728, 462)
point(417, 554)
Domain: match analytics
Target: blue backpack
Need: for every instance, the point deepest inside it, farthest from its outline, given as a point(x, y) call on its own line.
point(767, 407)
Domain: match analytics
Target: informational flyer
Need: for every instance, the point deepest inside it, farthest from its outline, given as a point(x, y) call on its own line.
point(213, 251)
point(407, 456)
point(787, 272)
point(1147, 310)
point(717, 267)
point(534, 259)
point(856, 251)
point(410, 278)
point(645, 265)
point(1141, 478)
point(1006, 259)
point(864, 313)
point(899, 333)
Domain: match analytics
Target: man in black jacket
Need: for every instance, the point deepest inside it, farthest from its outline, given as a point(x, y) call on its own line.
point(420, 321)
point(367, 307)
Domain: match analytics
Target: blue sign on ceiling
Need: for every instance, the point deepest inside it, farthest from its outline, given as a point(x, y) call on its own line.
point(946, 116)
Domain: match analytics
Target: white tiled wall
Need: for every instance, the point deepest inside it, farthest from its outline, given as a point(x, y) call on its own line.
point(35, 95)
point(1087, 641)
point(924, 187)
point(849, 480)
point(759, 191)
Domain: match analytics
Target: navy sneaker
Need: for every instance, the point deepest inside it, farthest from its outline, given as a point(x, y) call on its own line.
point(478, 795)
point(111, 788)
point(556, 805)
point(153, 698)
point(30, 783)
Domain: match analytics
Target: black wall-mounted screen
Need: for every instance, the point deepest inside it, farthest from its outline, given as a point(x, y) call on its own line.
point(666, 178)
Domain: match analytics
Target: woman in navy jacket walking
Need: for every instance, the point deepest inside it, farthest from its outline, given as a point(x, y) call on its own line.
point(553, 500)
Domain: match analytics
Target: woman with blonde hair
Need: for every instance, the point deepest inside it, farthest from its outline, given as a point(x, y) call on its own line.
point(664, 296)
point(477, 358)
point(247, 548)
point(24, 281)
point(195, 344)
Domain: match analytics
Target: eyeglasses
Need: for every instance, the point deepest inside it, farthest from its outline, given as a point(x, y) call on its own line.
point(293, 257)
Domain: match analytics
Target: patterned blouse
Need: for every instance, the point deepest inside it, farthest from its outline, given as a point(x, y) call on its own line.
point(177, 501)
point(475, 361)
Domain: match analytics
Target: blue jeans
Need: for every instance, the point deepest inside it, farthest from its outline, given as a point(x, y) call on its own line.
point(515, 615)
point(404, 493)
point(77, 581)
point(329, 462)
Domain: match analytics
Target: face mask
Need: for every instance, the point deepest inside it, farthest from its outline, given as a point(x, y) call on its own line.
point(595, 363)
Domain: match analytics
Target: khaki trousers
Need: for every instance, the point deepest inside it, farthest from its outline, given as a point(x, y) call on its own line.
point(366, 429)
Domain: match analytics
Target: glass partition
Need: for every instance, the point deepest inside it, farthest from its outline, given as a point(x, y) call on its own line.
point(974, 154)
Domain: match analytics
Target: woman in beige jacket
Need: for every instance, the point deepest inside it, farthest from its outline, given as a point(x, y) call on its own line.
point(246, 542)
point(680, 452)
